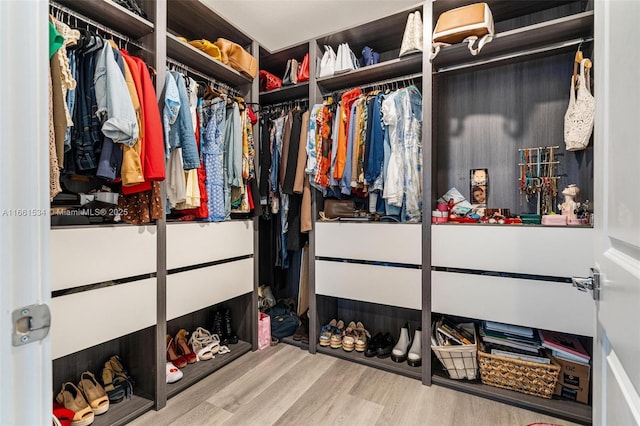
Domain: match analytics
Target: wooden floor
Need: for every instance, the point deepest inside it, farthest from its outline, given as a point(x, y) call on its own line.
point(284, 385)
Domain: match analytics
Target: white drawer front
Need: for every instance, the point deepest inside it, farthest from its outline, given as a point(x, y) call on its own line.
point(81, 256)
point(88, 318)
point(557, 252)
point(385, 242)
point(193, 243)
point(539, 304)
point(196, 289)
point(370, 283)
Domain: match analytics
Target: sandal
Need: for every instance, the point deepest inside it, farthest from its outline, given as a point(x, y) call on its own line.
point(172, 354)
point(363, 337)
point(205, 344)
point(349, 337)
point(326, 332)
point(93, 393)
point(114, 391)
point(71, 398)
point(121, 378)
point(336, 337)
point(181, 343)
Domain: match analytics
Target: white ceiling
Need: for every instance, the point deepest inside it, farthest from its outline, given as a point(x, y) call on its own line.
point(278, 24)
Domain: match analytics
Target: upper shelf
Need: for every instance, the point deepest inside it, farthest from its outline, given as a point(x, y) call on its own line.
point(113, 16)
point(194, 58)
point(501, 9)
point(285, 93)
point(276, 62)
point(195, 20)
point(510, 43)
point(384, 70)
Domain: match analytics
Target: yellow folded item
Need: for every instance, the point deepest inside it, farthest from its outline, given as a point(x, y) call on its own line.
point(207, 47)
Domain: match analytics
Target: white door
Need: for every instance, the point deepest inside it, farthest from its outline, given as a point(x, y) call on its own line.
point(616, 367)
point(25, 370)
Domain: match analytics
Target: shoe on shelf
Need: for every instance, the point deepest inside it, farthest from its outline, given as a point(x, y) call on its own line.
point(326, 332)
point(386, 346)
point(121, 376)
point(204, 344)
point(183, 346)
point(94, 393)
point(336, 336)
point(62, 416)
point(363, 337)
point(217, 327)
point(229, 335)
point(400, 350)
point(115, 383)
point(373, 345)
point(172, 354)
point(71, 398)
point(349, 337)
point(414, 358)
point(173, 373)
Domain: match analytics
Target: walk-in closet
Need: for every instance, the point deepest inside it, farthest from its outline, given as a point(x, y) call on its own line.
point(232, 198)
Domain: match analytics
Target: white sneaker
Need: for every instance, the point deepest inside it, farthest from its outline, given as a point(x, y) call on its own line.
point(399, 352)
point(173, 373)
point(414, 358)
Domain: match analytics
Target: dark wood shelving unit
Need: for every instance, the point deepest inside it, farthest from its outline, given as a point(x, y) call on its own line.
point(297, 343)
point(198, 371)
point(395, 68)
point(511, 43)
point(386, 364)
point(285, 93)
point(124, 412)
point(113, 16)
point(194, 58)
point(569, 410)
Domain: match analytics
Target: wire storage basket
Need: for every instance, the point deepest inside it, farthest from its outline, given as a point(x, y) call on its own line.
point(460, 362)
point(522, 376)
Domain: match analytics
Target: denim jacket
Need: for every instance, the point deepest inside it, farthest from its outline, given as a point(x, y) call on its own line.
point(182, 134)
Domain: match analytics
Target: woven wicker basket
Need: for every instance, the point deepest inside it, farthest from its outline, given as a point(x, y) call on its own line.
point(521, 376)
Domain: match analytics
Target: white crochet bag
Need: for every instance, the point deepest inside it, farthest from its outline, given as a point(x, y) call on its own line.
point(578, 121)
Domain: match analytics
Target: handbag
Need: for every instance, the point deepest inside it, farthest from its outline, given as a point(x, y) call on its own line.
point(207, 47)
point(328, 62)
point(291, 73)
point(303, 70)
point(334, 209)
point(237, 58)
point(264, 331)
point(578, 120)
point(369, 57)
point(412, 37)
point(269, 81)
point(464, 24)
point(345, 60)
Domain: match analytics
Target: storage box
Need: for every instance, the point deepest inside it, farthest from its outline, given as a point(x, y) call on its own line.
point(573, 382)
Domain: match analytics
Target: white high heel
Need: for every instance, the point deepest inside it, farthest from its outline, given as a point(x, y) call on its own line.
point(414, 358)
point(399, 352)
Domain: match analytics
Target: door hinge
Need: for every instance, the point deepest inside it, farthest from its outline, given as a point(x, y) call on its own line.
point(30, 324)
point(591, 283)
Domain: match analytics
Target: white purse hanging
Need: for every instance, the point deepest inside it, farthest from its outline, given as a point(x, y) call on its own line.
point(412, 38)
point(578, 120)
point(328, 62)
point(345, 61)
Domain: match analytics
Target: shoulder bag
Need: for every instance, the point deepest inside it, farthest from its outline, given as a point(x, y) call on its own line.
point(303, 70)
point(237, 58)
point(412, 37)
point(345, 59)
point(328, 62)
point(369, 57)
point(466, 24)
point(290, 73)
point(207, 47)
point(578, 120)
point(269, 81)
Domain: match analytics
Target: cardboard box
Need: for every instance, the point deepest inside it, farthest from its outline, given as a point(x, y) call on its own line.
point(573, 382)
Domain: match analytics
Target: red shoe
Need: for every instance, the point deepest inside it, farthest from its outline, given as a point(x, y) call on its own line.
point(183, 346)
point(64, 416)
point(172, 354)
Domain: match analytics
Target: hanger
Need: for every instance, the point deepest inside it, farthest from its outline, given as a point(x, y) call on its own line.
point(577, 61)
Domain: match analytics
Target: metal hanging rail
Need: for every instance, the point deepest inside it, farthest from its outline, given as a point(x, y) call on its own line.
point(405, 78)
point(188, 69)
point(77, 15)
point(292, 102)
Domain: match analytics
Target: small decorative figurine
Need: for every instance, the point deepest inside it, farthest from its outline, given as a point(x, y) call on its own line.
point(570, 206)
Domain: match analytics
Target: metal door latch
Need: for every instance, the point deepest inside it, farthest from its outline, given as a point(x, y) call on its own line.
point(30, 324)
point(591, 283)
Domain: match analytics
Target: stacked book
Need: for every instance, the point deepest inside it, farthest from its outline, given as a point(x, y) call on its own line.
point(512, 341)
point(564, 346)
point(448, 333)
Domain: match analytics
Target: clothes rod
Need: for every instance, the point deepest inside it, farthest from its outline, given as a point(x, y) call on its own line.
point(529, 52)
point(190, 70)
point(378, 83)
point(95, 24)
point(540, 147)
point(286, 103)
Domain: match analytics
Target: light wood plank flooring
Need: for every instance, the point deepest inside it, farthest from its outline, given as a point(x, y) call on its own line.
point(284, 385)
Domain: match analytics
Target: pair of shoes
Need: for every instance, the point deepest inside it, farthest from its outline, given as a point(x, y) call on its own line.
point(205, 344)
point(327, 332)
point(408, 349)
point(178, 350)
point(118, 384)
point(173, 373)
point(222, 327)
point(71, 398)
point(380, 345)
point(362, 338)
point(349, 337)
point(302, 333)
